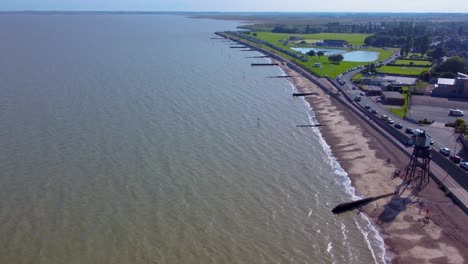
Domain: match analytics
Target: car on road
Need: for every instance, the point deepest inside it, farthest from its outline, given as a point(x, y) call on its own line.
point(362, 94)
point(456, 159)
point(375, 111)
point(464, 165)
point(384, 117)
point(390, 121)
point(456, 112)
point(367, 106)
point(398, 126)
point(409, 130)
point(357, 98)
point(354, 88)
point(445, 151)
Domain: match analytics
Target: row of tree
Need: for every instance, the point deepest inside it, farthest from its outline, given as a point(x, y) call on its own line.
point(332, 58)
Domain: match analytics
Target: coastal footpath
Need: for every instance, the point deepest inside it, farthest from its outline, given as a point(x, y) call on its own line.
point(370, 158)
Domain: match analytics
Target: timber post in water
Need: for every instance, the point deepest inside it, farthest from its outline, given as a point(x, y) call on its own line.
point(304, 94)
point(264, 64)
point(344, 207)
point(316, 125)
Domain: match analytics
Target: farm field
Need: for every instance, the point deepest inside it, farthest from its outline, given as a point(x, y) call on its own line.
point(415, 62)
point(411, 71)
point(274, 38)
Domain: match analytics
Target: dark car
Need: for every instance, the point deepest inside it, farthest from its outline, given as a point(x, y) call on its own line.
point(398, 126)
point(409, 130)
point(375, 111)
point(367, 106)
point(456, 159)
point(464, 165)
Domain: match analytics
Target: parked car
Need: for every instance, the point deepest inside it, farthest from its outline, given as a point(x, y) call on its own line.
point(367, 106)
point(384, 117)
point(390, 121)
point(398, 126)
point(354, 88)
point(357, 98)
point(456, 159)
point(445, 151)
point(409, 130)
point(464, 165)
point(375, 111)
point(362, 94)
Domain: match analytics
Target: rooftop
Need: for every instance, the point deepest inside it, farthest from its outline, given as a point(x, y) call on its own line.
point(400, 79)
point(393, 95)
point(445, 81)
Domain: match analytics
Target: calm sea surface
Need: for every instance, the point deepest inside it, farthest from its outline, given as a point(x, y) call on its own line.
point(138, 139)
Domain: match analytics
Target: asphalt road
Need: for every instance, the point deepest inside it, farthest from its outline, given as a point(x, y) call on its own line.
point(443, 137)
point(435, 108)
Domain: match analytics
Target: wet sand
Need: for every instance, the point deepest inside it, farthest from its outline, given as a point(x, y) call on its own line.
point(371, 161)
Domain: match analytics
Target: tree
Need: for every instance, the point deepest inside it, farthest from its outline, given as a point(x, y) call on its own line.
point(460, 126)
point(437, 53)
point(453, 65)
point(254, 34)
point(335, 58)
point(320, 53)
point(408, 45)
point(311, 53)
point(422, 44)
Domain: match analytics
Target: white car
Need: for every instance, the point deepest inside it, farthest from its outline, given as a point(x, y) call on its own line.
point(390, 121)
point(445, 151)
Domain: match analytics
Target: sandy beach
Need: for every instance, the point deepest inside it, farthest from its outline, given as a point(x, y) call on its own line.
point(371, 161)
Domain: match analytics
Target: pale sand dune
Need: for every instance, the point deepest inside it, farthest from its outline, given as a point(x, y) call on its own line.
point(371, 161)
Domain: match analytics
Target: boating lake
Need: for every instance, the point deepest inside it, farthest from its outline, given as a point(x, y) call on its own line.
point(354, 56)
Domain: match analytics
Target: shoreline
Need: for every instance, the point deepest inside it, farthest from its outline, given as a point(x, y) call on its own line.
point(370, 162)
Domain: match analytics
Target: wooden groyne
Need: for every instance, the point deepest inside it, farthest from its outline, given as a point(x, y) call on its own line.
point(258, 57)
point(344, 207)
point(264, 64)
point(248, 50)
point(217, 38)
point(304, 94)
point(281, 76)
point(316, 125)
point(238, 47)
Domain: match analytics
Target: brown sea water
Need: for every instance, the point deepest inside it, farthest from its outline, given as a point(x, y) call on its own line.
point(138, 139)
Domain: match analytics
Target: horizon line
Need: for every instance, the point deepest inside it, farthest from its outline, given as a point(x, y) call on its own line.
point(225, 12)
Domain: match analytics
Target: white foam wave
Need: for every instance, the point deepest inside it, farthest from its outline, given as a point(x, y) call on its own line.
point(346, 182)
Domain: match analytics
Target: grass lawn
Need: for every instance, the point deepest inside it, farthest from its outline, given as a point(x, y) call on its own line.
point(400, 112)
point(353, 39)
point(414, 71)
point(327, 69)
point(415, 62)
point(357, 77)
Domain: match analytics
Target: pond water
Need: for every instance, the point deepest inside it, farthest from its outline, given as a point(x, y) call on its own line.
point(355, 56)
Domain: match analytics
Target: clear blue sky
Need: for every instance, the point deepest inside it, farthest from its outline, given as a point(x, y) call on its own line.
point(458, 6)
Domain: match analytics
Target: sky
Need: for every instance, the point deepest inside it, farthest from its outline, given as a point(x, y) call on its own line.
point(452, 6)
